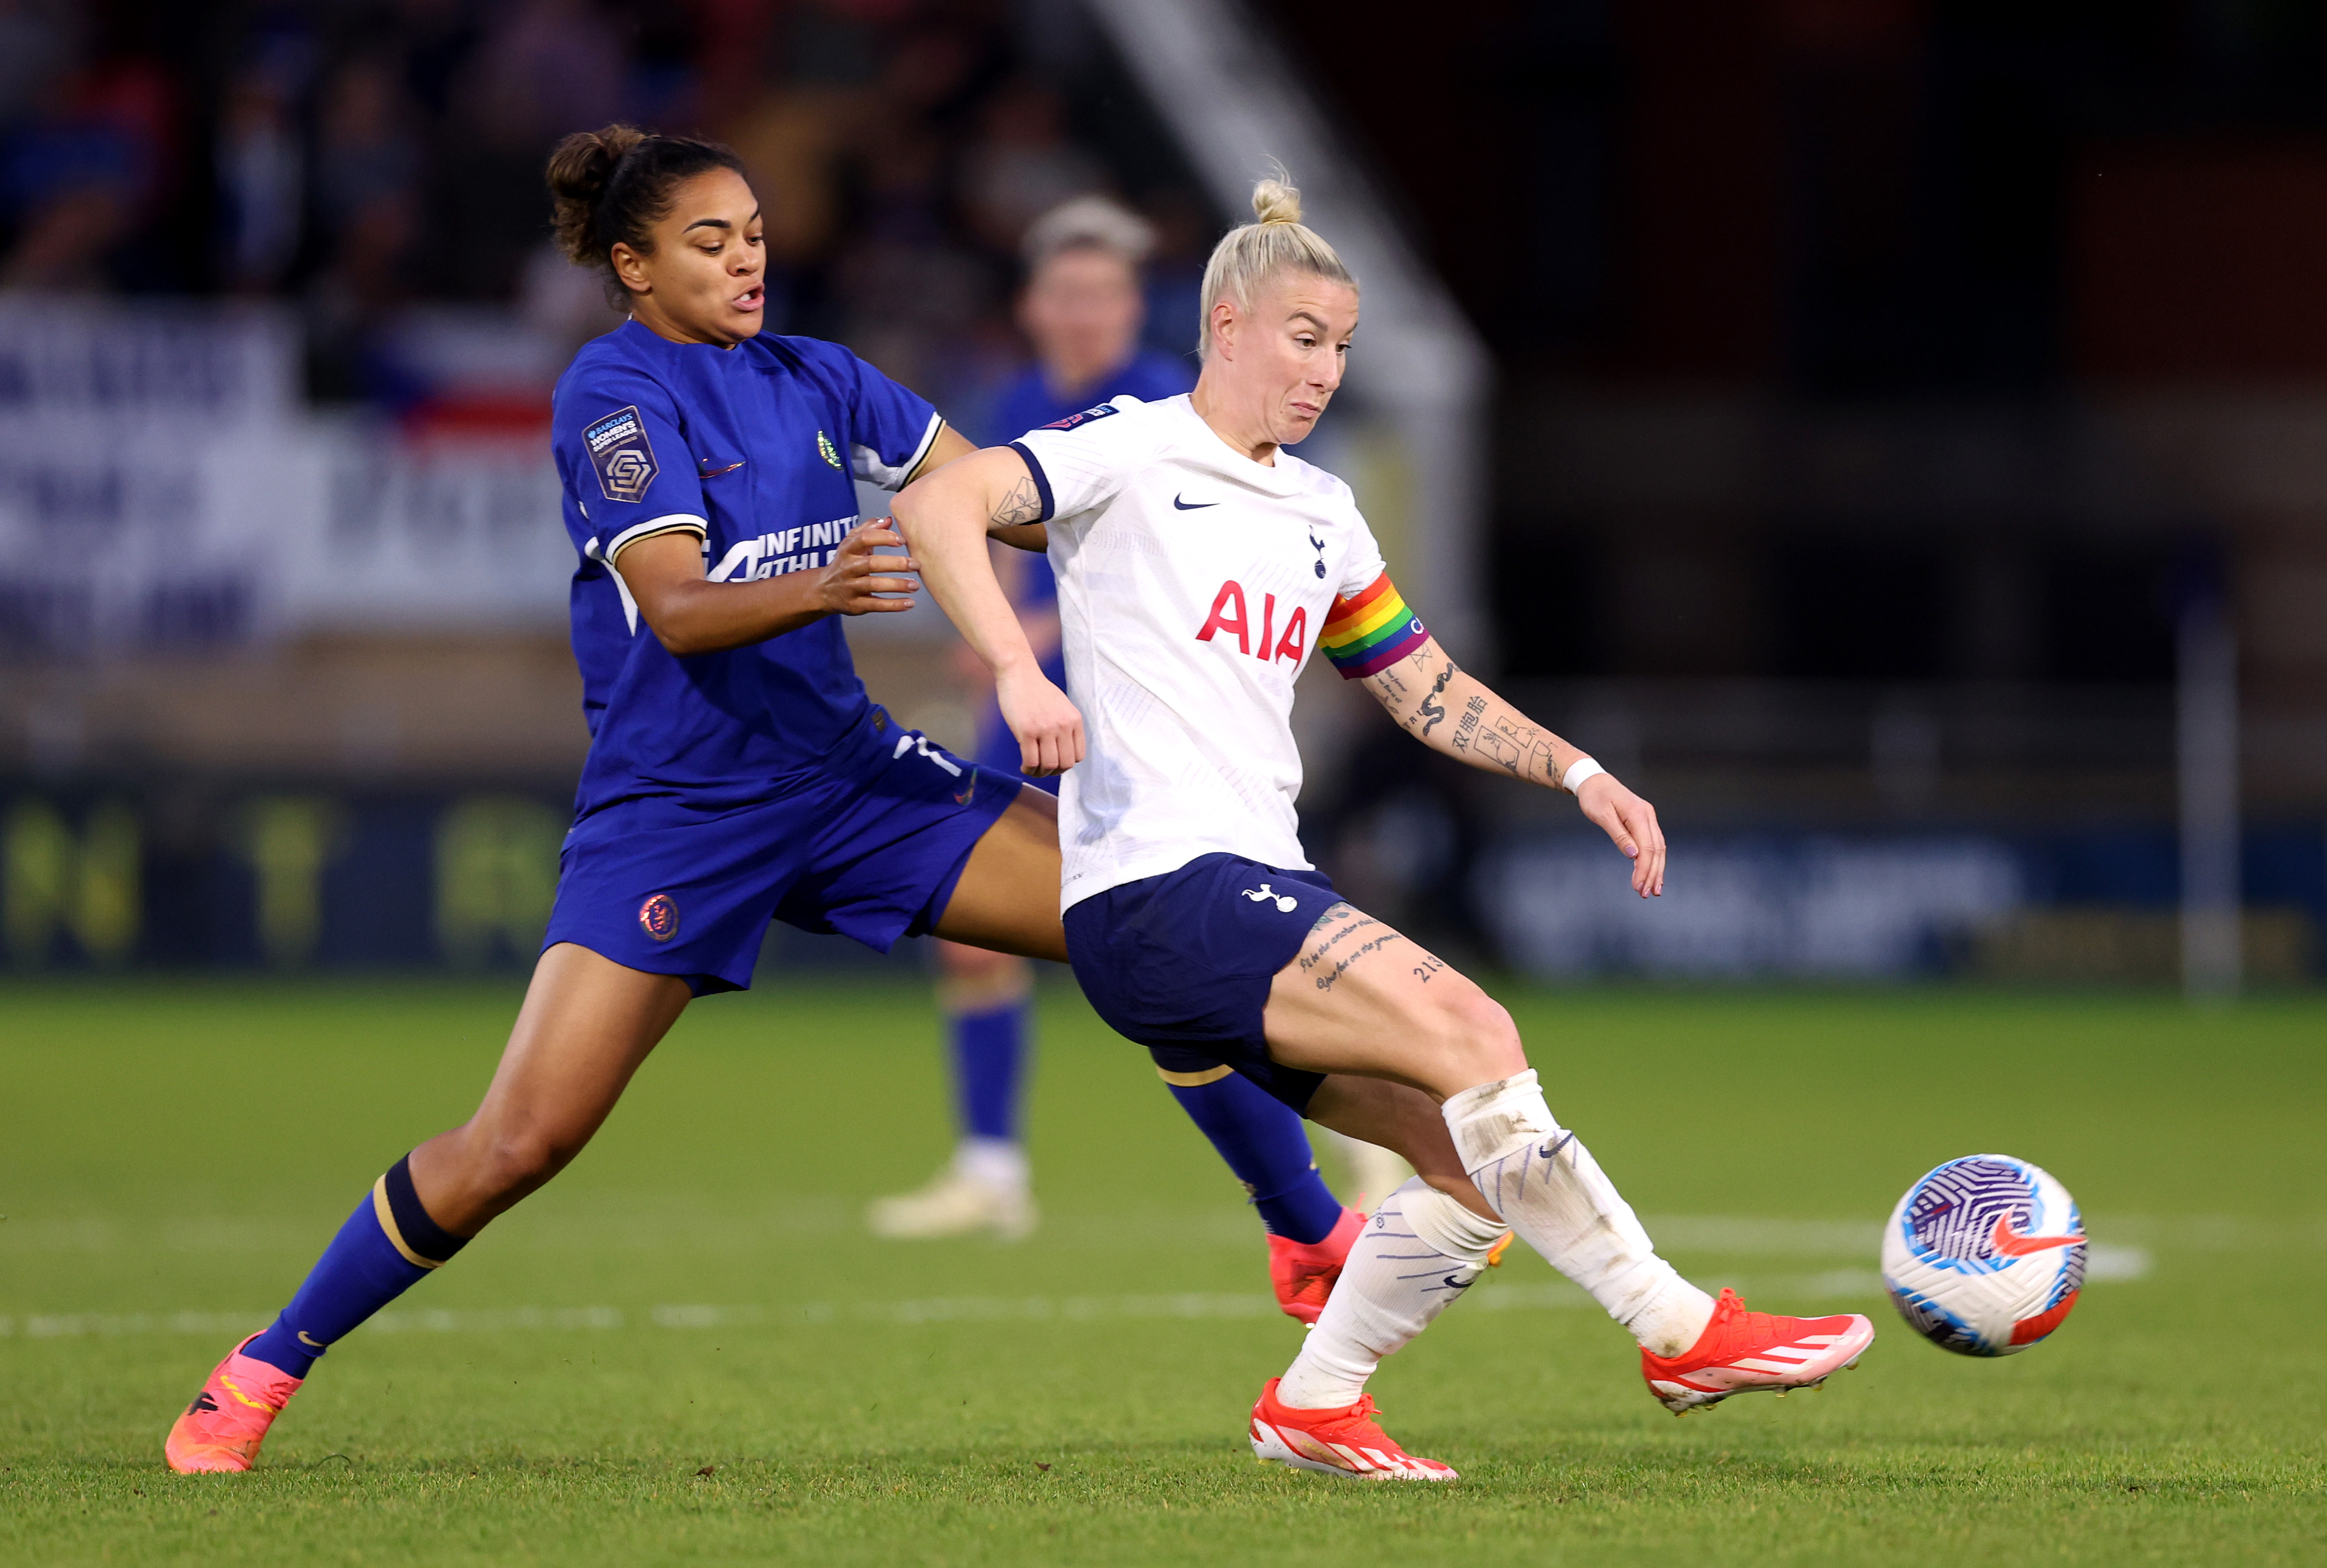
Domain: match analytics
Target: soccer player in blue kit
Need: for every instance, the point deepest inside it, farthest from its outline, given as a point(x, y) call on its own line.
point(1082, 311)
point(737, 771)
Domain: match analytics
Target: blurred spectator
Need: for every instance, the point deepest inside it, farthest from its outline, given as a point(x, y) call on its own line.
point(547, 67)
point(382, 158)
point(261, 174)
point(82, 170)
point(544, 68)
point(367, 182)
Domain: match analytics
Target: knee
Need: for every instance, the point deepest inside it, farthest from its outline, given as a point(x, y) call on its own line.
point(1468, 1025)
point(512, 1163)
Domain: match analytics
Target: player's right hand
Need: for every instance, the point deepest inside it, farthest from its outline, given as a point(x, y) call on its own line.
point(1046, 723)
point(1631, 824)
point(859, 582)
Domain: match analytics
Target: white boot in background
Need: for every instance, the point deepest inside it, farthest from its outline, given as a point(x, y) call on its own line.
point(1374, 1172)
point(984, 1187)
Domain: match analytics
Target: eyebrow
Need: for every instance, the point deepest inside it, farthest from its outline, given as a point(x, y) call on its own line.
point(714, 223)
point(1314, 321)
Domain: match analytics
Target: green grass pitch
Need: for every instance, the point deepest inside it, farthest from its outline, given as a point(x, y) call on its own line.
point(686, 1349)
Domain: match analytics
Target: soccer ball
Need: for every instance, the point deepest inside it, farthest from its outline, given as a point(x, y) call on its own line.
point(1984, 1256)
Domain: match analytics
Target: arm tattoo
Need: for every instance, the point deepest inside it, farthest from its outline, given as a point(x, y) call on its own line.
point(1509, 743)
point(1022, 505)
point(1468, 722)
point(1341, 936)
point(1432, 711)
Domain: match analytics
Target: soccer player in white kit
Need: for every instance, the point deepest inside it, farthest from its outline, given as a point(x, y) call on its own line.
point(1200, 565)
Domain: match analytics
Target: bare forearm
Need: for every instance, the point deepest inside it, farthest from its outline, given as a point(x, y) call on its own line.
point(1457, 714)
point(948, 516)
point(697, 617)
point(689, 614)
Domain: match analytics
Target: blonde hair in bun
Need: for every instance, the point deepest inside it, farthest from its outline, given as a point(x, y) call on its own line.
point(1250, 253)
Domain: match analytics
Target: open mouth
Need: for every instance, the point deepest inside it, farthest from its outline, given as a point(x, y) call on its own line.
point(751, 298)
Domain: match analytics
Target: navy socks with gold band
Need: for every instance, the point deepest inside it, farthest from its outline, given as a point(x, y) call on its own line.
point(388, 1245)
point(1264, 1143)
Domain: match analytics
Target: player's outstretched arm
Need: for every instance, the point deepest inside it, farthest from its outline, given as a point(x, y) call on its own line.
point(1438, 704)
point(948, 516)
point(690, 614)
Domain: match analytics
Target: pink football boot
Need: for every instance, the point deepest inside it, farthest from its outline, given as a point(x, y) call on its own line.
point(221, 1430)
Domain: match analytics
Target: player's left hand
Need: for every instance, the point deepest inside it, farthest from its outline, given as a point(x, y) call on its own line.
point(1632, 823)
point(1045, 721)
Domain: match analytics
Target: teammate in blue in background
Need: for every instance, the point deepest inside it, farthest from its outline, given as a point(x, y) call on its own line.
point(737, 771)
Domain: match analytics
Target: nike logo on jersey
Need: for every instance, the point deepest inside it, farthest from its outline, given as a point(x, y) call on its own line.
point(2012, 1242)
point(1265, 894)
point(1189, 506)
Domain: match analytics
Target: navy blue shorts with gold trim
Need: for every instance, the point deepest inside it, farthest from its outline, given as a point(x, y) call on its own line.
point(1181, 963)
point(871, 849)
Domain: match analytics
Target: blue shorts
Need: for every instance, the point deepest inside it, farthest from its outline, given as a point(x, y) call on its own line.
point(1181, 963)
point(869, 848)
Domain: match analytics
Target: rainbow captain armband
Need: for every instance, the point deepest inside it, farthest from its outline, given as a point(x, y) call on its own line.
point(1371, 631)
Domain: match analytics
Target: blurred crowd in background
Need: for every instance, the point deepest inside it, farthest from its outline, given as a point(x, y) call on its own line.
point(378, 164)
point(1904, 438)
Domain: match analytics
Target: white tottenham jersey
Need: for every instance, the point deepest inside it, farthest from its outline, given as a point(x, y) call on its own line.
point(1193, 584)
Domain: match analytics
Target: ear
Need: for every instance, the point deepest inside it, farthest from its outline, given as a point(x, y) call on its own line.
point(1224, 324)
point(631, 269)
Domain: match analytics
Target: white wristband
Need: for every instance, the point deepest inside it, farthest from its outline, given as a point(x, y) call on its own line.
point(1580, 769)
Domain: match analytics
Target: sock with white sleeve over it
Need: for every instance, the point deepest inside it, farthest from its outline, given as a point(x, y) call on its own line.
point(1419, 1252)
point(1549, 1189)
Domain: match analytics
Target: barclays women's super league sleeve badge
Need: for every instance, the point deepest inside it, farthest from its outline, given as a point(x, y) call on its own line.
point(620, 453)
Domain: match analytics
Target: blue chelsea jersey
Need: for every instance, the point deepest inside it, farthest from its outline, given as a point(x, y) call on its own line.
point(754, 450)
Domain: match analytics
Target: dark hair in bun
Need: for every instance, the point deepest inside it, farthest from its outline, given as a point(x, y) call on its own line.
point(611, 187)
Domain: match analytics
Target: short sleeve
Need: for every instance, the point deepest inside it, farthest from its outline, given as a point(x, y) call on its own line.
point(1364, 564)
point(1370, 625)
point(889, 428)
point(1080, 461)
point(623, 460)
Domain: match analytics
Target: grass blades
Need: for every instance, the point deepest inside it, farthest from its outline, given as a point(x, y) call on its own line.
point(686, 1349)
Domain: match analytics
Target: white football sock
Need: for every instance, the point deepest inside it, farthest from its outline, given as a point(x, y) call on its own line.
point(1419, 1251)
point(1550, 1190)
point(997, 1162)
